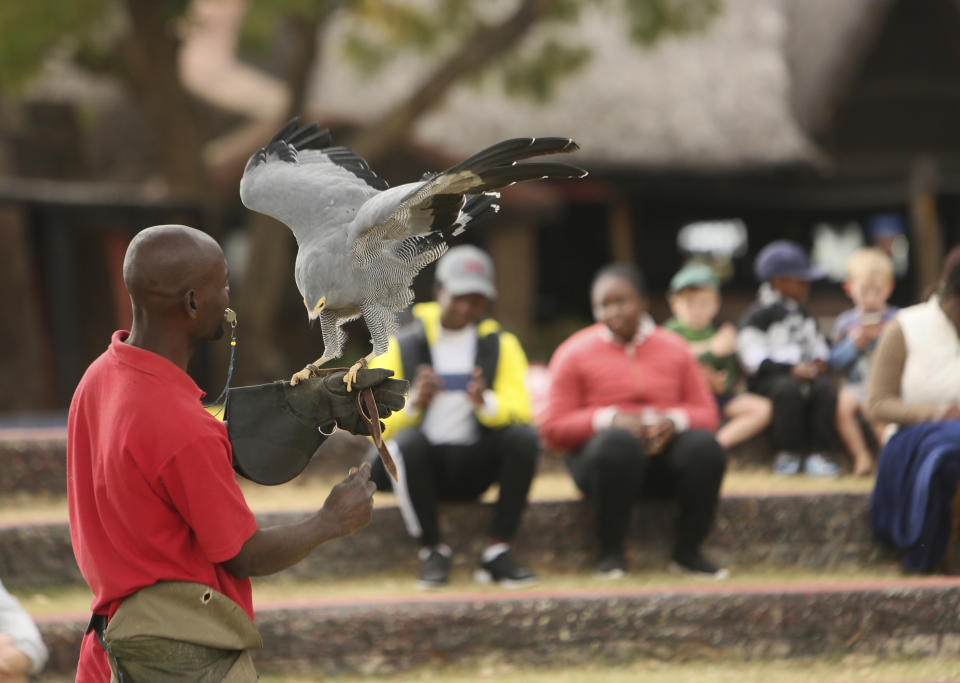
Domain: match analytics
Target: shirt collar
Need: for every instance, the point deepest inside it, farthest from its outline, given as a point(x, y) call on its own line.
point(464, 332)
point(151, 363)
point(645, 328)
point(768, 295)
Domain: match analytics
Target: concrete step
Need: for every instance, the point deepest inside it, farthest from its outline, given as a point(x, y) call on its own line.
point(33, 458)
point(808, 530)
point(917, 617)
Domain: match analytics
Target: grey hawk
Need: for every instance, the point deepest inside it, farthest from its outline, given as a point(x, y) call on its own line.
point(360, 242)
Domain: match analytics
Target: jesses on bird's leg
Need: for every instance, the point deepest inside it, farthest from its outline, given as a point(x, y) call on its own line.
point(310, 370)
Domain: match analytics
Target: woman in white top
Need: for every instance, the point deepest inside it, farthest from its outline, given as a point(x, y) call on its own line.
point(915, 385)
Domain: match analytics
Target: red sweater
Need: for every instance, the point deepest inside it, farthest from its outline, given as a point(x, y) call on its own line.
point(590, 371)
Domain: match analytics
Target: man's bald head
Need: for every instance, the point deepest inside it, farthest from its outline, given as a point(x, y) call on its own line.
point(164, 262)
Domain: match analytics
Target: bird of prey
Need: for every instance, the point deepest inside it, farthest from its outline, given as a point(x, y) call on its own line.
point(360, 242)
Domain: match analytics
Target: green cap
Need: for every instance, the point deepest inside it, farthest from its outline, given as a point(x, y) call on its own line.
point(693, 275)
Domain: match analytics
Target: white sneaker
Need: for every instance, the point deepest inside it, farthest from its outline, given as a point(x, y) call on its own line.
point(817, 465)
point(786, 463)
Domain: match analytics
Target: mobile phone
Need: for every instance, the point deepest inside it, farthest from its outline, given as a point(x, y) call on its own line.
point(871, 319)
point(455, 381)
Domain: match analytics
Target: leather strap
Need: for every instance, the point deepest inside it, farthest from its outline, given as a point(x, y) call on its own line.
point(372, 418)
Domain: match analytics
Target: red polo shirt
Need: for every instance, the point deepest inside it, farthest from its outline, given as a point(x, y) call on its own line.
point(150, 486)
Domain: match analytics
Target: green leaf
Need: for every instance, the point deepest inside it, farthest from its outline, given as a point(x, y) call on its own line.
point(538, 75)
point(31, 29)
point(651, 20)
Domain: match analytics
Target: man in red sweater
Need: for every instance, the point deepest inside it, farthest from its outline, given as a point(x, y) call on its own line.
point(633, 412)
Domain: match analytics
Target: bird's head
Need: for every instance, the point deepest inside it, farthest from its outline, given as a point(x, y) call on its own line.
point(314, 308)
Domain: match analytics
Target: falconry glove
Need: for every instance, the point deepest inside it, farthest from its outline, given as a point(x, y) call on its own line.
point(340, 404)
point(275, 429)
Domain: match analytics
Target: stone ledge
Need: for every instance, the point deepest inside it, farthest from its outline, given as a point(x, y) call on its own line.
point(814, 531)
point(378, 637)
point(38, 465)
point(33, 466)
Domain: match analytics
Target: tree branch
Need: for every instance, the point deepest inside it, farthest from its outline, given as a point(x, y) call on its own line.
point(475, 55)
point(151, 58)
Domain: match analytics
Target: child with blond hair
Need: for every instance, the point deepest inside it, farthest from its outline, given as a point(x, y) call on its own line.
point(869, 283)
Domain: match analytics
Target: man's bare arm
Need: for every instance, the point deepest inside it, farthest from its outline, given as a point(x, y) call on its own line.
point(348, 508)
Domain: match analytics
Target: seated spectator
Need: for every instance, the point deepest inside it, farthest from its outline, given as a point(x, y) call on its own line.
point(466, 424)
point(869, 284)
point(785, 357)
point(631, 409)
point(695, 301)
point(914, 384)
point(22, 652)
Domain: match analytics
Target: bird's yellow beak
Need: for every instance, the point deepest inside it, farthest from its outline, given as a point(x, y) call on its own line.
point(316, 309)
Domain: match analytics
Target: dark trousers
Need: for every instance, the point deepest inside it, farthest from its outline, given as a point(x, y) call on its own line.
point(507, 457)
point(804, 413)
point(613, 471)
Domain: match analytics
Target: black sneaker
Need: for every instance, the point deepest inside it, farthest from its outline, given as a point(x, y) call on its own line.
point(505, 571)
point(697, 565)
point(434, 566)
point(611, 566)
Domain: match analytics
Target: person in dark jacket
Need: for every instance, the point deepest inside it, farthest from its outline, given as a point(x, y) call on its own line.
point(785, 356)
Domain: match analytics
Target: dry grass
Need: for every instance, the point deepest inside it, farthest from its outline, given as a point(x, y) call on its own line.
point(309, 493)
point(76, 599)
point(795, 671)
point(847, 669)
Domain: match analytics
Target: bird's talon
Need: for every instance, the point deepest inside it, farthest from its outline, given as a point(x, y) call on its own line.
point(351, 375)
point(299, 377)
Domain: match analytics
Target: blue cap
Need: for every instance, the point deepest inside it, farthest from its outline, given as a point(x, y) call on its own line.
point(784, 258)
point(884, 225)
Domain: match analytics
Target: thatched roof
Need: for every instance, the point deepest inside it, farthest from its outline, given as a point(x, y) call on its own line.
point(733, 96)
point(826, 41)
point(747, 92)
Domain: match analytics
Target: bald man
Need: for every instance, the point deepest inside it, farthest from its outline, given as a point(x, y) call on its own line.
point(160, 528)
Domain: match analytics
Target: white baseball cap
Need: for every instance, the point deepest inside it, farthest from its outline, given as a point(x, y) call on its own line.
point(466, 270)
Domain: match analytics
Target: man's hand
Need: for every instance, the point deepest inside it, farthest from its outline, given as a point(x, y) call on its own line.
point(806, 371)
point(724, 342)
point(349, 506)
point(630, 422)
point(658, 435)
point(865, 334)
point(654, 433)
point(476, 387)
point(14, 664)
point(425, 386)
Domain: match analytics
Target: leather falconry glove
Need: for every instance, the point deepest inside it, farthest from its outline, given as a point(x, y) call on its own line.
point(274, 429)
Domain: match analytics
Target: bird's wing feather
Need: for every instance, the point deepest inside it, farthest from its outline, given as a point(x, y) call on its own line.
point(303, 181)
point(435, 204)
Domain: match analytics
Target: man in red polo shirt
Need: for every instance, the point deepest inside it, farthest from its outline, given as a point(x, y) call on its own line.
point(151, 488)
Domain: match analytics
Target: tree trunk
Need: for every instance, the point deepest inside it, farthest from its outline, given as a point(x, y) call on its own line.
point(26, 359)
point(925, 233)
point(475, 55)
point(271, 246)
point(150, 52)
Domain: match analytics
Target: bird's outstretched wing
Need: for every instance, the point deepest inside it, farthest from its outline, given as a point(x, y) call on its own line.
point(442, 203)
point(301, 179)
